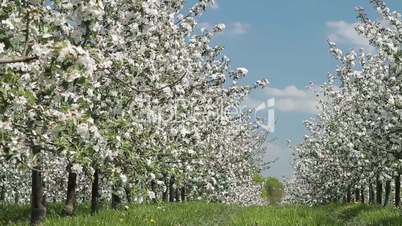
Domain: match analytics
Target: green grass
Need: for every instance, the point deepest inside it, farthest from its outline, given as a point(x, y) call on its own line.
point(203, 214)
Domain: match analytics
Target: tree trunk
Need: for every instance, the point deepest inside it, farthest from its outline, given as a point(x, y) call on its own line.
point(177, 195)
point(38, 207)
point(165, 195)
point(116, 200)
point(387, 192)
point(183, 194)
point(371, 193)
point(171, 189)
point(84, 193)
point(397, 190)
point(362, 198)
point(71, 192)
point(378, 190)
point(3, 194)
point(153, 189)
point(16, 197)
point(95, 192)
point(349, 196)
point(357, 195)
point(127, 190)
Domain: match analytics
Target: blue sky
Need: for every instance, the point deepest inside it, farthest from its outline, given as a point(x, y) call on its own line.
point(285, 41)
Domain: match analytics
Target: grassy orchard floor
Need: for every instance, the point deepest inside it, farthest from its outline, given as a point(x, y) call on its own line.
point(199, 214)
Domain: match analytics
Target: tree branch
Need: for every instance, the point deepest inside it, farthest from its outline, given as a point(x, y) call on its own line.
point(151, 90)
point(18, 59)
point(27, 33)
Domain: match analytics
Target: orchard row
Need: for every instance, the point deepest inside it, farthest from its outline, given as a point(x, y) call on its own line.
point(355, 145)
point(120, 100)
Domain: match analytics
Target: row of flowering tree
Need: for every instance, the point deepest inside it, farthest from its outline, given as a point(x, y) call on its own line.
point(354, 146)
point(120, 100)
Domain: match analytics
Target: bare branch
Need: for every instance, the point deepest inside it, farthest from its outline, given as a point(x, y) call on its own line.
point(151, 90)
point(18, 59)
point(28, 21)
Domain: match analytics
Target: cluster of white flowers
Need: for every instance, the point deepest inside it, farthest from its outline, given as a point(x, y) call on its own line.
point(246, 194)
point(354, 144)
point(116, 91)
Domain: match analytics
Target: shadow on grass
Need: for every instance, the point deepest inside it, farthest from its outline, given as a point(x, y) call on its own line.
point(347, 213)
point(11, 214)
point(359, 214)
point(390, 221)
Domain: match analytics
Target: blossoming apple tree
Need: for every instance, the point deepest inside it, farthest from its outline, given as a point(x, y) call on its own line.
point(354, 143)
point(119, 98)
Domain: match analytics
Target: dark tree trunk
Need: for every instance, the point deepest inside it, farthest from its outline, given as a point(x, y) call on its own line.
point(177, 195)
point(16, 197)
point(2, 194)
point(71, 192)
point(349, 196)
point(387, 192)
point(362, 198)
point(165, 193)
point(84, 193)
point(183, 194)
point(171, 189)
point(116, 200)
point(378, 190)
point(38, 206)
point(371, 193)
point(397, 190)
point(357, 195)
point(95, 192)
point(153, 189)
point(127, 190)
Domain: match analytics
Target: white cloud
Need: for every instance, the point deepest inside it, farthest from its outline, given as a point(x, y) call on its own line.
point(292, 99)
point(308, 105)
point(289, 91)
point(288, 99)
point(251, 102)
point(205, 25)
point(238, 28)
point(344, 33)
